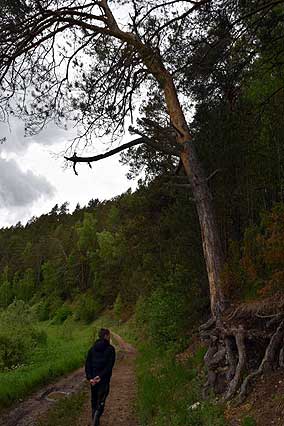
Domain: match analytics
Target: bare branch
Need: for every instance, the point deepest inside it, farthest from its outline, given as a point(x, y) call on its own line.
point(144, 139)
point(75, 159)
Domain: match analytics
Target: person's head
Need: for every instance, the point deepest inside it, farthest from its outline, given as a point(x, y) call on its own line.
point(104, 333)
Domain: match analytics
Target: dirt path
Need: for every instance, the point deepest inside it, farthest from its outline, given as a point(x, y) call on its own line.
point(25, 413)
point(119, 406)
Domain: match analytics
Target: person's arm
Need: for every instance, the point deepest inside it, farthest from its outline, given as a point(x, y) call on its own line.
point(88, 365)
point(109, 364)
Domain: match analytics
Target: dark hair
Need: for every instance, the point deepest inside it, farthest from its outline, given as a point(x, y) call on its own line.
point(103, 333)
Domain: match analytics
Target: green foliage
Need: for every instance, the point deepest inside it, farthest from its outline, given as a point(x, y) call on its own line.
point(171, 394)
point(61, 257)
point(107, 246)
point(62, 313)
point(113, 217)
point(6, 292)
point(255, 268)
point(58, 356)
point(41, 310)
point(155, 315)
point(248, 421)
point(24, 287)
point(50, 278)
point(18, 336)
point(87, 232)
point(88, 308)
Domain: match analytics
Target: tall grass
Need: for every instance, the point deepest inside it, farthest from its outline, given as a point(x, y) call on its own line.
point(170, 393)
point(63, 352)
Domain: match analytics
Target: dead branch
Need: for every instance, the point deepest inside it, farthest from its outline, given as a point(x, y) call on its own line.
point(152, 144)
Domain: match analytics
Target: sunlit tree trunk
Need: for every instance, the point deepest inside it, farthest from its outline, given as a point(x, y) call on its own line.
point(210, 234)
point(212, 248)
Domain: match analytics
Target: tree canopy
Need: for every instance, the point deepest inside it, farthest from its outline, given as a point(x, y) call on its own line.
point(92, 62)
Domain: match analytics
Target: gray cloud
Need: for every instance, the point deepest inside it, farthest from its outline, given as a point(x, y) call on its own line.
point(16, 142)
point(19, 188)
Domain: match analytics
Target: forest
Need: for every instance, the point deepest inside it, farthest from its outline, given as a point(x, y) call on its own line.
point(196, 253)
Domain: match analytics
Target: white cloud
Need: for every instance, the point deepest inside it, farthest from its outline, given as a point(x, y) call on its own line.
point(17, 143)
point(20, 188)
point(32, 179)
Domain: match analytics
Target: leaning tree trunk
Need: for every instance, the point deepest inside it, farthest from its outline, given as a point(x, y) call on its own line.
point(212, 248)
point(209, 231)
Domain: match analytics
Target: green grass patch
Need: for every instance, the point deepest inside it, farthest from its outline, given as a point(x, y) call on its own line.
point(64, 351)
point(66, 411)
point(170, 393)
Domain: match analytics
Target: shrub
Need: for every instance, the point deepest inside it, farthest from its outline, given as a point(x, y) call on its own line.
point(156, 313)
point(41, 311)
point(88, 308)
point(255, 267)
point(18, 336)
point(54, 303)
point(62, 314)
point(67, 328)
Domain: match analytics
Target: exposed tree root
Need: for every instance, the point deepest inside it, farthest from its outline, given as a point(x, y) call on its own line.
point(243, 345)
point(234, 383)
point(268, 362)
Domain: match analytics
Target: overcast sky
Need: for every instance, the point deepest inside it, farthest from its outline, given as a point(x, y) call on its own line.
point(33, 178)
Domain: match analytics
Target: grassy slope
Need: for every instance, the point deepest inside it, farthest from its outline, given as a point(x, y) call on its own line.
point(168, 390)
point(62, 353)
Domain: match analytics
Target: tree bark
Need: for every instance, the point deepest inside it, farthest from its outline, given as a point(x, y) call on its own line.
point(211, 242)
point(212, 247)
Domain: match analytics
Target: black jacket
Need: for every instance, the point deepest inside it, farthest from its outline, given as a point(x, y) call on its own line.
point(100, 360)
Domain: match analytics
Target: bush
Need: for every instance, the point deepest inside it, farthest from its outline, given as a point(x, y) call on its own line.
point(62, 314)
point(156, 315)
point(41, 311)
point(54, 303)
point(67, 329)
point(88, 308)
point(18, 336)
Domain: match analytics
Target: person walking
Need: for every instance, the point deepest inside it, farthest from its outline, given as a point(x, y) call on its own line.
point(98, 367)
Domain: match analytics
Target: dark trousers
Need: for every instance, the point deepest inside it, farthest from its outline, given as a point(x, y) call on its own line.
point(99, 393)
